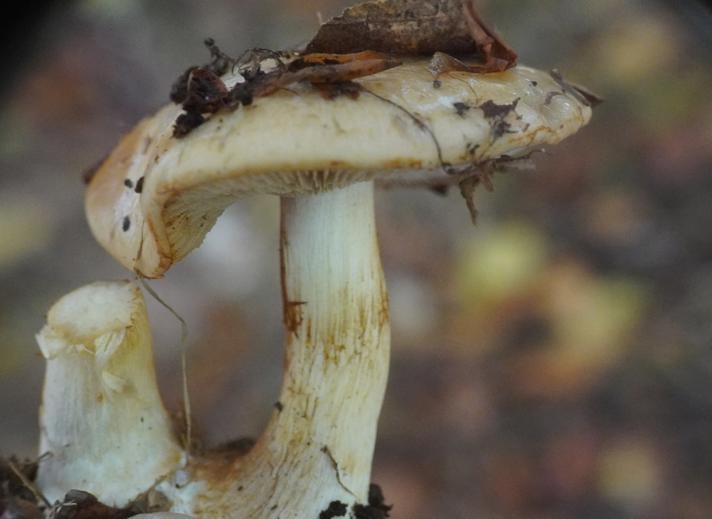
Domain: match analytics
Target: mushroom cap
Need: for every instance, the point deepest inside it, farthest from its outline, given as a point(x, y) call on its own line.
point(155, 197)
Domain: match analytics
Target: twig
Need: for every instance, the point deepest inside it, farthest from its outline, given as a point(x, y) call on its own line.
point(29, 484)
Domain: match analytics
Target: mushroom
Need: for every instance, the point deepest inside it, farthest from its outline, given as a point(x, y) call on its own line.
point(318, 130)
point(156, 196)
point(102, 420)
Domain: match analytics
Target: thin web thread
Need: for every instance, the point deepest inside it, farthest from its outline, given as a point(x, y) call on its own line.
point(184, 370)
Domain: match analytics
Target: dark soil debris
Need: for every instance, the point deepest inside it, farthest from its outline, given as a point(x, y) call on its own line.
point(492, 110)
point(496, 114)
point(461, 108)
point(19, 501)
point(78, 504)
point(376, 508)
point(335, 509)
point(187, 122)
point(201, 92)
point(220, 62)
point(205, 92)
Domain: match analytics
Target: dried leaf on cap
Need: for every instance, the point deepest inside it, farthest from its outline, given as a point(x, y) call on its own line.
point(493, 53)
point(405, 27)
point(444, 28)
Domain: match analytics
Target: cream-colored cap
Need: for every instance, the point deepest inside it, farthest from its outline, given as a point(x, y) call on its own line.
point(156, 196)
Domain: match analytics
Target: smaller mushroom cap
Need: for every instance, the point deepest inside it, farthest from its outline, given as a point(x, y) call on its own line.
point(155, 197)
point(101, 416)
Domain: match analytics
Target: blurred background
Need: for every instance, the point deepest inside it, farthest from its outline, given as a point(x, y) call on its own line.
point(553, 362)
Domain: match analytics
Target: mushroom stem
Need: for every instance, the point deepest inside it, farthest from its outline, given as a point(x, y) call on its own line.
point(319, 444)
point(338, 338)
point(102, 420)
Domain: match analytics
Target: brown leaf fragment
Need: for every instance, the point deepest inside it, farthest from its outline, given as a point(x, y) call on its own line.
point(480, 174)
point(319, 74)
point(405, 27)
point(442, 63)
point(581, 94)
point(346, 70)
point(445, 28)
point(493, 54)
point(498, 56)
point(330, 58)
point(485, 177)
point(467, 190)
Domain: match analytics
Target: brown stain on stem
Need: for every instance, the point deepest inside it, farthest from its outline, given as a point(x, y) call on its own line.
point(293, 315)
